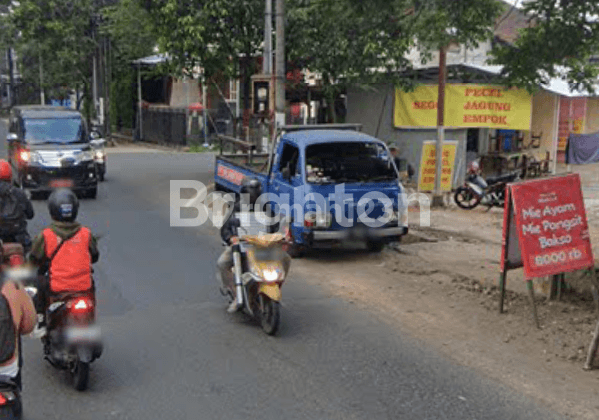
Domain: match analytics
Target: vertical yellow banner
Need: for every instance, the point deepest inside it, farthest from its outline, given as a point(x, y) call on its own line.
point(426, 173)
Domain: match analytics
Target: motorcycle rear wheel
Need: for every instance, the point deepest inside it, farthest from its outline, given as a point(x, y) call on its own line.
point(80, 375)
point(270, 315)
point(466, 199)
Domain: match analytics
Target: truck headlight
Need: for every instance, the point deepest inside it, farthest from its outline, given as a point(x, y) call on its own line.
point(318, 220)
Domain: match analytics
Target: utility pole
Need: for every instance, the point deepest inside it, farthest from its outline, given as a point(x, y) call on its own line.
point(280, 64)
point(11, 73)
point(42, 97)
point(438, 195)
point(267, 61)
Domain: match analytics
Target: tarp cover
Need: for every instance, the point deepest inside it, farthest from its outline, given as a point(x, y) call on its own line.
point(582, 148)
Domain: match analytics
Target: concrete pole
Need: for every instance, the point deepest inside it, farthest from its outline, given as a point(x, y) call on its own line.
point(438, 196)
point(95, 84)
point(139, 102)
point(42, 97)
point(267, 62)
point(204, 109)
point(555, 139)
point(280, 63)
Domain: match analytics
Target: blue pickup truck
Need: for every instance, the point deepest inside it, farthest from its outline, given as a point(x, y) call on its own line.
point(329, 183)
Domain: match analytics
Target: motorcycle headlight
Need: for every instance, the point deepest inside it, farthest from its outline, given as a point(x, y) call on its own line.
point(271, 274)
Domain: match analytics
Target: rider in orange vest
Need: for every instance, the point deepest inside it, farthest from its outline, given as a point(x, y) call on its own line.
point(66, 250)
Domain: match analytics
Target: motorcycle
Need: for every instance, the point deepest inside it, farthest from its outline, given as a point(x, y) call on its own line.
point(13, 267)
point(258, 277)
point(476, 189)
point(10, 399)
point(72, 340)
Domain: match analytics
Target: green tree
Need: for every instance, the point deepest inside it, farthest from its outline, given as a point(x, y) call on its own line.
point(221, 36)
point(132, 35)
point(351, 41)
point(60, 33)
point(561, 39)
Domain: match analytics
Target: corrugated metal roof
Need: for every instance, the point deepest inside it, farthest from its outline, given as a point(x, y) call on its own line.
point(555, 85)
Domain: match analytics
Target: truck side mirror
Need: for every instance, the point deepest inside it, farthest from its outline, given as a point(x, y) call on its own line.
point(94, 135)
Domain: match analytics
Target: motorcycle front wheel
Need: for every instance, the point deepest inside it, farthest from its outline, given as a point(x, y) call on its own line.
point(80, 375)
point(466, 199)
point(270, 315)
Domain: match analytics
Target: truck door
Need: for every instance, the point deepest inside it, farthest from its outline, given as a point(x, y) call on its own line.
point(287, 175)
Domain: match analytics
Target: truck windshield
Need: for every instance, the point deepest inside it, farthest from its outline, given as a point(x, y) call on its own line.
point(348, 162)
point(53, 130)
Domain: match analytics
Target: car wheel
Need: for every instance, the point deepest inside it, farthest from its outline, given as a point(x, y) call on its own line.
point(92, 192)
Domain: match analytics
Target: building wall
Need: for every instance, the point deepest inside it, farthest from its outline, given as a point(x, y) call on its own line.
point(184, 93)
point(373, 108)
point(592, 117)
point(543, 122)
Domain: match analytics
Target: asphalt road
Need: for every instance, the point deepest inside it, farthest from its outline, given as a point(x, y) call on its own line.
point(172, 351)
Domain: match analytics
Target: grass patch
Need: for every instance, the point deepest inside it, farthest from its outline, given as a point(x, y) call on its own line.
point(198, 148)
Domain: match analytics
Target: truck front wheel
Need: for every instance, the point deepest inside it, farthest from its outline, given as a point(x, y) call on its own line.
point(375, 246)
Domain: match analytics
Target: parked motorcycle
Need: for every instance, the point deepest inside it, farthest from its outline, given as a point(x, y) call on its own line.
point(259, 275)
point(72, 340)
point(476, 189)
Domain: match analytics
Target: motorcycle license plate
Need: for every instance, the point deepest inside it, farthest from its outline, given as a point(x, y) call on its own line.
point(83, 334)
point(61, 183)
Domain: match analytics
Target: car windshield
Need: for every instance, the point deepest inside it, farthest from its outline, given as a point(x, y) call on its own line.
point(53, 130)
point(348, 162)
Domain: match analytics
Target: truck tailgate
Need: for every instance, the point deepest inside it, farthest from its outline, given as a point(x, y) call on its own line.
point(230, 175)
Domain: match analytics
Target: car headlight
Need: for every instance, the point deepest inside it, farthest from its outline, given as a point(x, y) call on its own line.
point(86, 155)
point(99, 155)
point(30, 157)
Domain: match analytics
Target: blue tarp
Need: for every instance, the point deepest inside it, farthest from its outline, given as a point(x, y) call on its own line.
point(582, 149)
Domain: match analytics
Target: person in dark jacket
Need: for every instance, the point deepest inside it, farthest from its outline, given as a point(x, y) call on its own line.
point(16, 232)
point(403, 166)
point(239, 223)
point(65, 250)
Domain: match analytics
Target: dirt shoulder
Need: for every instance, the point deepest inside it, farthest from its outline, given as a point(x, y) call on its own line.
point(444, 293)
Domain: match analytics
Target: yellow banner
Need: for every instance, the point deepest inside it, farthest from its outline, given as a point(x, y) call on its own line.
point(426, 176)
point(466, 105)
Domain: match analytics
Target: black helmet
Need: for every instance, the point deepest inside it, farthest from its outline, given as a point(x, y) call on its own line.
point(253, 188)
point(63, 205)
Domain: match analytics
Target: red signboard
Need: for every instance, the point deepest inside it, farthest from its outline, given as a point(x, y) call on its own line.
point(230, 175)
point(547, 226)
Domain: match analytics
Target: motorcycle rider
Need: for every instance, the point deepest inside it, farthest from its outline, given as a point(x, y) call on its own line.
point(243, 215)
point(13, 218)
point(64, 251)
point(22, 312)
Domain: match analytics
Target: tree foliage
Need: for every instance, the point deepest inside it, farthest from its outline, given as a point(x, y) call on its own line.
point(221, 36)
point(561, 39)
point(60, 32)
point(365, 42)
point(132, 36)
